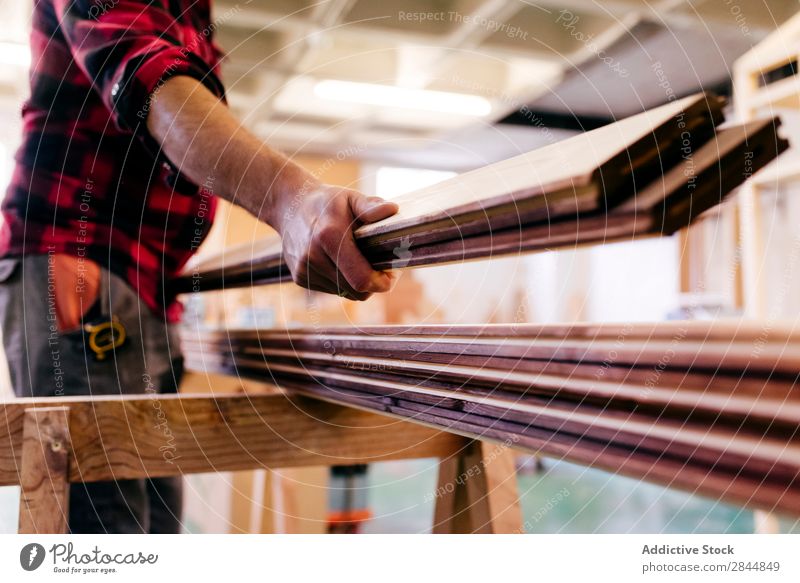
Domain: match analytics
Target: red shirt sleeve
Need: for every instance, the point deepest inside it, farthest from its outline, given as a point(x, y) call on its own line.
point(128, 48)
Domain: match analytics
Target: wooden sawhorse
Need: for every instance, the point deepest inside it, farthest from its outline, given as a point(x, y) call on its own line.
point(46, 444)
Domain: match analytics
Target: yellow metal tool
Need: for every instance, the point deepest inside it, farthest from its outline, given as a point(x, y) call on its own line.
point(106, 337)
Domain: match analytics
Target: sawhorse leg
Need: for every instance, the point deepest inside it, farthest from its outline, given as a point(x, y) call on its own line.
point(477, 492)
point(44, 500)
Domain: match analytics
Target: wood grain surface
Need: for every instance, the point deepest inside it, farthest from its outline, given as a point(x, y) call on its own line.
point(653, 175)
point(709, 407)
point(43, 471)
point(477, 492)
point(139, 436)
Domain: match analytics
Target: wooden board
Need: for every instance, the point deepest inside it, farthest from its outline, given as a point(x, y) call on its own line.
point(714, 402)
point(660, 181)
point(655, 467)
point(696, 184)
point(773, 402)
point(44, 496)
point(477, 492)
point(778, 357)
point(605, 157)
point(669, 431)
point(728, 330)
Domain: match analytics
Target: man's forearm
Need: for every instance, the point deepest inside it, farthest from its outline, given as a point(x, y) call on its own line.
point(203, 139)
point(316, 221)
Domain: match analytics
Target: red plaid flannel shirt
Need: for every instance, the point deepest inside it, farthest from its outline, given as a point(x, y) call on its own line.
point(89, 180)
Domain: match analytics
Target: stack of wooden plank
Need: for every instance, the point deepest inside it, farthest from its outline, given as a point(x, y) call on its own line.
point(712, 408)
point(650, 174)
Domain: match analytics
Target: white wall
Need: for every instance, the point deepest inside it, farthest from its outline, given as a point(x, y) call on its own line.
point(629, 281)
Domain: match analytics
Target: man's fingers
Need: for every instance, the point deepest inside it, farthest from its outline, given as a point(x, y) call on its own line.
point(337, 282)
point(309, 278)
point(370, 209)
point(332, 258)
point(356, 270)
point(326, 286)
point(317, 272)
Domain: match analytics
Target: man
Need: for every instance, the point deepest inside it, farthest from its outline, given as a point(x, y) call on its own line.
point(126, 118)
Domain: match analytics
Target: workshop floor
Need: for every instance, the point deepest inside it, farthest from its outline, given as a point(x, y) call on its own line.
point(561, 498)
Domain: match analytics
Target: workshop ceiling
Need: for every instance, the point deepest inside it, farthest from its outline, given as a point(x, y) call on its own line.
point(510, 52)
point(287, 61)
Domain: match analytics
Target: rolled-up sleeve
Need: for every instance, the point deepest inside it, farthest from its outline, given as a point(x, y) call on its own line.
point(129, 49)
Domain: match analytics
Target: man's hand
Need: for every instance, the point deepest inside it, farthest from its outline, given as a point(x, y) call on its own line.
point(204, 140)
point(318, 245)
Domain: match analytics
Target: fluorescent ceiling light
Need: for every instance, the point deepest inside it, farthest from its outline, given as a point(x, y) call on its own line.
point(15, 54)
point(392, 96)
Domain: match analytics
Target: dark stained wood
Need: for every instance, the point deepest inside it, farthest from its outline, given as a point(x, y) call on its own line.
point(658, 467)
point(710, 441)
point(648, 175)
point(608, 156)
point(748, 352)
point(729, 330)
point(710, 407)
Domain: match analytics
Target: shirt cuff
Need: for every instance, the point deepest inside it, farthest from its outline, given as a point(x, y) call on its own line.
point(134, 92)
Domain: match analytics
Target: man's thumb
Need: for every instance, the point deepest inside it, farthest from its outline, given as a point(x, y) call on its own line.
point(371, 209)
